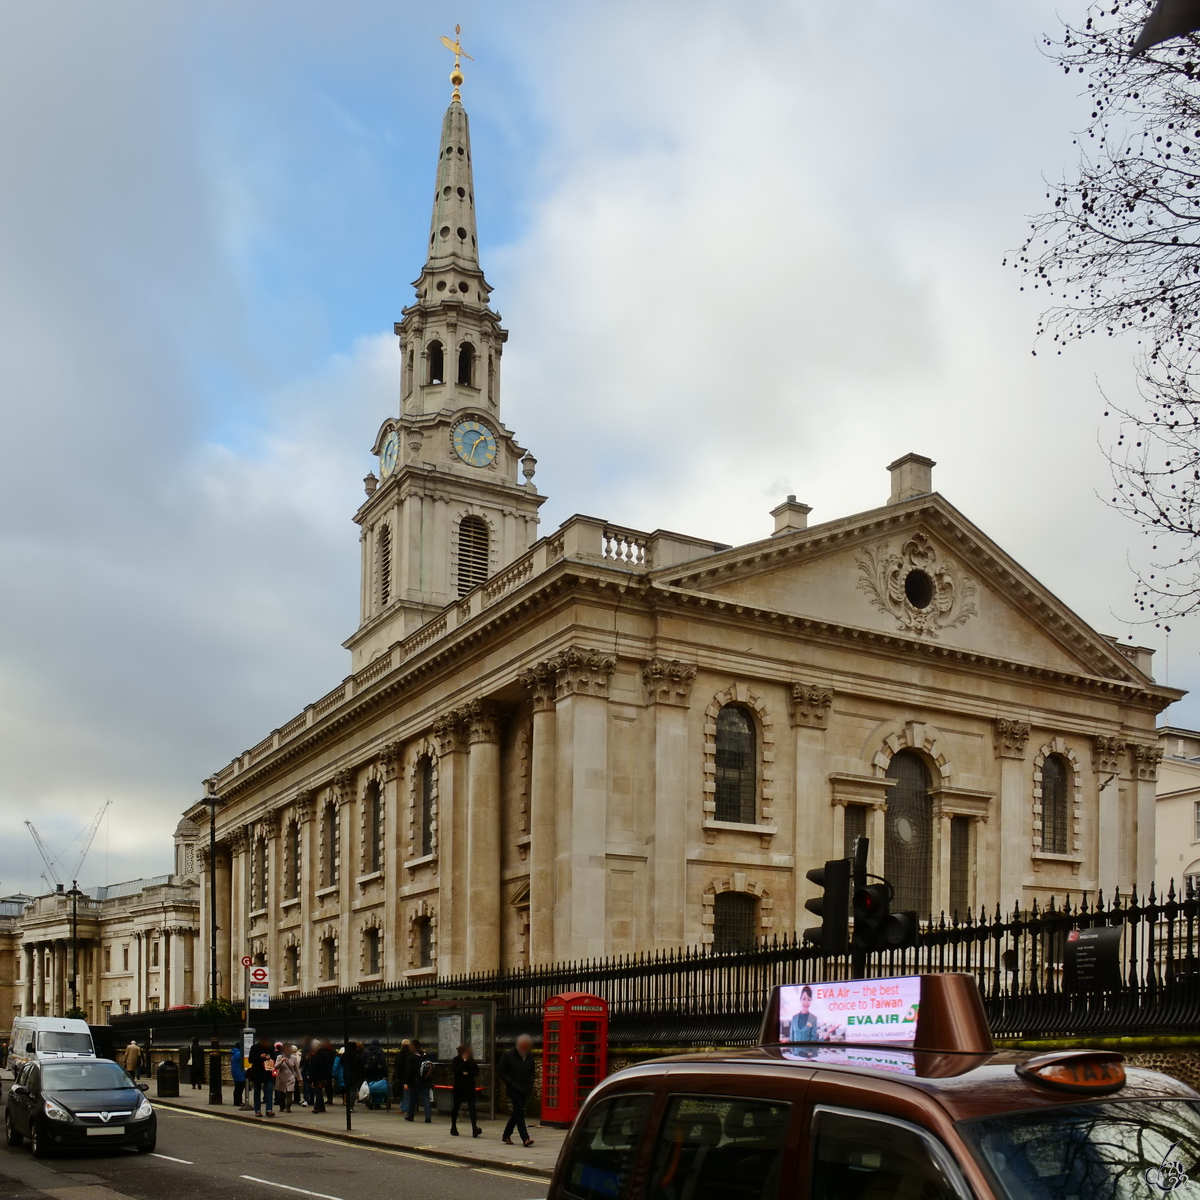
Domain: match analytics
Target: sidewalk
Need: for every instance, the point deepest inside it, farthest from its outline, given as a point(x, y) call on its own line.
point(391, 1131)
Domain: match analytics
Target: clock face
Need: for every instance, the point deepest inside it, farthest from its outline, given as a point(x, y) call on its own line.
point(389, 453)
point(475, 444)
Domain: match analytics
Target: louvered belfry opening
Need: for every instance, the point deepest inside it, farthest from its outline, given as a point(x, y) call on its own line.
point(908, 834)
point(385, 565)
point(472, 553)
point(1055, 808)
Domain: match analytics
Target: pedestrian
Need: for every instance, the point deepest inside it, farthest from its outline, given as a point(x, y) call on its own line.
point(464, 1071)
point(196, 1064)
point(320, 1070)
point(419, 1077)
point(338, 1074)
point(237, 1071)
point(287, 1076)
point(374, 1068)
point(400, 1073)
point(352, 1071)
point(305, 1050)
point(132, 1056)
point(260, 1072)
point(277, 1049)
point(516, 1071)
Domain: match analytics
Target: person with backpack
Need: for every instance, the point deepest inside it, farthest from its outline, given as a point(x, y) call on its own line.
point(260, 1071)
point(464, 1070)
point(420, 1081)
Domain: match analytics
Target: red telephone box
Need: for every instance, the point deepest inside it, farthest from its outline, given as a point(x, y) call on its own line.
point(574, 1053)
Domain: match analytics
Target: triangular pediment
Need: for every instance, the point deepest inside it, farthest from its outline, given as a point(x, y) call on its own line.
point(918, 569)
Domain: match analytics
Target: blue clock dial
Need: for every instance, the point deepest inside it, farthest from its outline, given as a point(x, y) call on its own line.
point(474, 443)
point(389, 453)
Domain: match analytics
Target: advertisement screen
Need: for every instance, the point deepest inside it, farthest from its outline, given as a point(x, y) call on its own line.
point(901, 1062)
point(858, 1010)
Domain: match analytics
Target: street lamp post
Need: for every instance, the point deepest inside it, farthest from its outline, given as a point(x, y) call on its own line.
point(75, 893)
point(214, 1057)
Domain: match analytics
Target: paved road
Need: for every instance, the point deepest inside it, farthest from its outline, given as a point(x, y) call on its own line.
point(199, 1155)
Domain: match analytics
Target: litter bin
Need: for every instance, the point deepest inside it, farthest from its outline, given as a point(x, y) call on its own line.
point(168, 1077)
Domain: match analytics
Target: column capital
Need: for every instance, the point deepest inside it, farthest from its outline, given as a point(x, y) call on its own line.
point(541, 681)
point(202, 857)
point(1108, 753)
point(343, 785)
point(584, 672)
point(305, 805)
point(238, 841)
point(390, 758)
point(1145, 760)
point(811, 705)
point(483, 721)
point(1009, 737)
point(668, 681)
point(450, 732)
point(271, 822)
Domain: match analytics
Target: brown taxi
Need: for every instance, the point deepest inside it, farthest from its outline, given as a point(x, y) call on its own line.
point(943, 1117)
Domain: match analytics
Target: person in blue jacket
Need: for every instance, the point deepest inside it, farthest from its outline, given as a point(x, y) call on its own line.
point(237, 1068)
point(339, 1074)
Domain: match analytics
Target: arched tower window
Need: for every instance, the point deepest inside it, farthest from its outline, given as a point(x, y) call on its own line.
point(908, 833)
point(466, 364)
point(736, 762)
point(425, 772)
point(1056, 808)
point(735, 921)
point(373, 850)
point(491, 378)
point(329, 838)
point(436, 358)
point(385, 564)
point(472, 553)
point(408, 378)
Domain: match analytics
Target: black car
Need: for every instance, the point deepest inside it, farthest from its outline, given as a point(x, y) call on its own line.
point(79, 1102)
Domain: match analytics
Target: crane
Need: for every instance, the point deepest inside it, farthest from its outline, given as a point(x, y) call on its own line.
point(50, 874)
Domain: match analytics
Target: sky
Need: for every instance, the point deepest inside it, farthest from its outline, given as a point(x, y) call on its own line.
point(743, 250)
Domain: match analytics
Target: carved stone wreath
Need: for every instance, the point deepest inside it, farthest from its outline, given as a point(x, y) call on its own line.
point(886, 580)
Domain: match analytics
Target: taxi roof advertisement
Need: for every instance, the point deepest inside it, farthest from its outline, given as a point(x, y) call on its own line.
point(859, 1010)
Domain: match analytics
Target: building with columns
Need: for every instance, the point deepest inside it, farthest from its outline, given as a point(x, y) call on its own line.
point(607, 740)
point(129, 947)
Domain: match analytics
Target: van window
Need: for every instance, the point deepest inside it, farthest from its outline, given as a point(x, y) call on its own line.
point(602, 1156)
point(57, 1042)
point(864, 1158)
point(714, 1147)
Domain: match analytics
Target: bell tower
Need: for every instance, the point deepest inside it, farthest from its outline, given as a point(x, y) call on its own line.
point(454, 501)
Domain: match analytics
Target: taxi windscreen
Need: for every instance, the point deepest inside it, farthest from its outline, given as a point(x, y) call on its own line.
point(1104, 1151)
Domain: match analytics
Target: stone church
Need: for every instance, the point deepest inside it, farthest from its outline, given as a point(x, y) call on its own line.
point(604, 740)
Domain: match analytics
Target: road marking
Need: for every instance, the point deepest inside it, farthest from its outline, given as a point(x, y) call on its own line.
point(287, 1187)
point(504, 1174)
point(187, 1162)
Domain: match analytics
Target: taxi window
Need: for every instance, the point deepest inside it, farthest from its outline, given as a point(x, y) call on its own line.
point(719, 1148)
point(860, 1157)
point(1103, 1151)
point(604, 1149)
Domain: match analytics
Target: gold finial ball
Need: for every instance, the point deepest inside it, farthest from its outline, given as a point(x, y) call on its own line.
point(456, 77)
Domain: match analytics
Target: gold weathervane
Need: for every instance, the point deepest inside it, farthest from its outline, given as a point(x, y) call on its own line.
point(456, 76)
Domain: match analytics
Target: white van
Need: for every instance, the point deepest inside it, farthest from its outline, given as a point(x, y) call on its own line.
point(40, 1038)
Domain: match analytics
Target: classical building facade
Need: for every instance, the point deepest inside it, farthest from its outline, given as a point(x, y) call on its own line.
point(128, 947)
point(608, 740)
point(1177, 825)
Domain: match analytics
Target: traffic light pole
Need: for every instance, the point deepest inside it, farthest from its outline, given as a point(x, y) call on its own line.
point(858, 872)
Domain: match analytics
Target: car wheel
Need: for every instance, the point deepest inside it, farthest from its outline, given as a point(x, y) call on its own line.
point(37, 1142)
point(11, 1136)
point(148, 1148)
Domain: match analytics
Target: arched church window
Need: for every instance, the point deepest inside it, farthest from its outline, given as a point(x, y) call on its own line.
point(293, 860)
point(472, 553)
point(260, 873)
point(425, 779)
point(908, 833)
point(466, 364)
point(291, 970)
point(373, 856)
point(385, 564)
point(737, 782)
point(424, 941)
point(1056, 774)
point(329, 956)
point(735, 921)
point(329, 831)
point(373, 952)
point(435, 356)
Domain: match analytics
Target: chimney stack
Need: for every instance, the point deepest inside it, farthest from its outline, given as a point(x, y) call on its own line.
point(790, 516)
point(912, 475)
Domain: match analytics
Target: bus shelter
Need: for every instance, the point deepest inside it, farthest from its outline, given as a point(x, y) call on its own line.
point(443, 1020)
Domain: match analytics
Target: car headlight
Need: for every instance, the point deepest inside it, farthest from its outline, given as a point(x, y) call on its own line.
point(55, 1112)
point(144, 1110)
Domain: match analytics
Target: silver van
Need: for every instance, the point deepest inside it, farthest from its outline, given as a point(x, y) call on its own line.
point(37, 1039)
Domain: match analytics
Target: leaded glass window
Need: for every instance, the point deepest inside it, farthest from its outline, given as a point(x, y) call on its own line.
point(737, 767)
point(735, 921)
point(908, 834)
point(1055, 806)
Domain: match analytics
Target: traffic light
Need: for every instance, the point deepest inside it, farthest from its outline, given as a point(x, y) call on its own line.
point(901, 930)
point(833, 934)
point(872, 907)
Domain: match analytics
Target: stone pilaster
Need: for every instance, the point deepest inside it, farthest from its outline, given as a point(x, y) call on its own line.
point(1010, 835)
point(1145, 760)
point(450, 734)
point(541, 682)
point(1109, 761)
point(817, 834)
point(483, 836)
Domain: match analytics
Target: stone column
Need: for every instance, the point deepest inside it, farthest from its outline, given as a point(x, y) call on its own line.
point(815, 836)
point(97, 963)
point(223, 889)
point(306, 808)
point(1145, 771)
point(348, 953)
point(270, 827)
point(1010, 848)
point(450, 732)
point(540, 681)
point(176, 962)
point(239, 909)
point(390, 763)
point(581, 720)
point(27, 1004)
point(483, 837)
point(667, 685)
point(58, 1006)
point(1109, 760)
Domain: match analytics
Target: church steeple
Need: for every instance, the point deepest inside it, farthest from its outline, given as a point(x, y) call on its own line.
point(450, 507)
